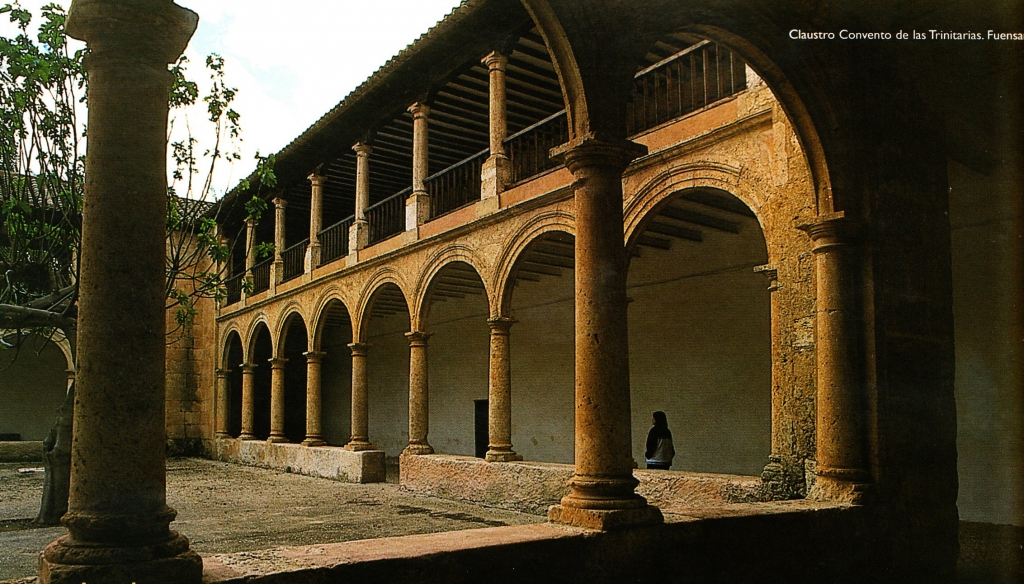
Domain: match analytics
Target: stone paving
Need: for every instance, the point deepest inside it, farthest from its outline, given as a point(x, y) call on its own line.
point(226, 508)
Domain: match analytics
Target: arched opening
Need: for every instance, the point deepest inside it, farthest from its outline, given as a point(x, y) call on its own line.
point(335, 373)
point(232, 365)
point(262, 351)
point(458, 368)
point(294, 345)
point(387, 365)
point(542, 349)
point(33, 384)
point(700, 332)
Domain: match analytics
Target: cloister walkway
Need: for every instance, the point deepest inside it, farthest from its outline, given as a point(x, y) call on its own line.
point(226, 508)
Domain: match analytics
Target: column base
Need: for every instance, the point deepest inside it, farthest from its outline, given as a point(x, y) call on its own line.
point(502, 456)
point(222, 435)
point(418, 449)
point(605, 519)
point(277, 439)
point(314, 441)
point(358, 446)
point(66, 561)
point(837, 490)
point(246, 436)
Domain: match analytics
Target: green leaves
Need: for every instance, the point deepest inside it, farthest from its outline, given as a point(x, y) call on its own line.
point(41, 163)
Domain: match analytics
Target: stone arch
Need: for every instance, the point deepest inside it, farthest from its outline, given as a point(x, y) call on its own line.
point(286, 317)
point(456, 252)
point(385, 275)
point(249, 340)
point(660, 189)
point(232, 329)
point(588, 90)
point(557, 220)
point(329, 296)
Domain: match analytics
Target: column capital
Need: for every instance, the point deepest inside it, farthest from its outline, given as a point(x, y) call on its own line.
point(359, 349)
point(364, 149)
point(770, 272)
point(831, 230)
point(248, 367)
point(590, 151)
point(495, 61)
point(153, 33)
point(277, 362)
point(316, 179)
point(418, 338)
point(501, 324)
point(279, 202)
point(221, 372)
point(419, 110)
point(314, 356)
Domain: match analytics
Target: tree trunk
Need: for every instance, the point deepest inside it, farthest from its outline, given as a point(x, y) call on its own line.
point(57, 464)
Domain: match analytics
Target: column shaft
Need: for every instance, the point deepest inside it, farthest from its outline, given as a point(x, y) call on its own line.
point(314, 436)
point(360, 434)
point(223, 403)
point(841, 467)
point(499, 394)
point(417, 206)
point(118, 519)
point(496, 173)
point(248, 401)
point(316, 215)
point(603, 486)
point(277, 268)
point(419, 406)
point(250, 244)
point(359, 233)
point(277, 400)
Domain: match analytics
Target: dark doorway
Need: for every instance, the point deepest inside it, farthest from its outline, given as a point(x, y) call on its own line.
point(480, 425)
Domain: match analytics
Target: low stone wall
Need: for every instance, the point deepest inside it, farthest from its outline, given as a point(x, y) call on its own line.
point(329, 462)
point(531, 487)
point(21, 451)
point(792, 541)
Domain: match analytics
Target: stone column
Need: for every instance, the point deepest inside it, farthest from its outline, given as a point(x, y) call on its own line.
point(360, 435)
point(277, 268)
point(277, 400)
point(419, 405)
point(316, 214)
point(496, 172)
point(782, 476)
point(359, 233)
point(602, 495)
point(223, 403)
point(313, 433)
point(841, 466)
point(250, 244)
point(417, 206)
point(250, 253)
point(248, 401)
point(499, 394)
point(118, 519)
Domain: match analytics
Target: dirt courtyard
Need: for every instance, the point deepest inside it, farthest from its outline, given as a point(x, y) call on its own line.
point(225, 508)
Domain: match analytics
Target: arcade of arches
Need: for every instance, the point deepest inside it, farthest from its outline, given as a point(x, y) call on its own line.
point(518, 238)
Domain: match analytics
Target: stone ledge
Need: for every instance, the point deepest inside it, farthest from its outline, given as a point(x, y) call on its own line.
point(329, 462)
point(742, 545)
point(21, 451)
point(532, 487)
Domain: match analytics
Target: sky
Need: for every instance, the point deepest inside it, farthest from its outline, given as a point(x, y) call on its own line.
point(290, 61)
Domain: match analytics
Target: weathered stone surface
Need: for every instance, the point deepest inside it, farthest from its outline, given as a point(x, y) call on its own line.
point(532, 487)
point(329, 462)
point(21, 451)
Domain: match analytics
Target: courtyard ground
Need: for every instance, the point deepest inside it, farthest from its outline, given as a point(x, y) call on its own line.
point(225, 508)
